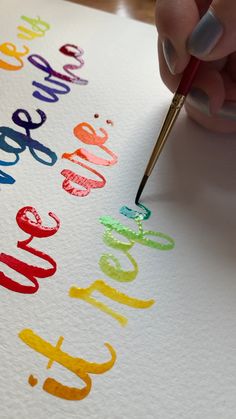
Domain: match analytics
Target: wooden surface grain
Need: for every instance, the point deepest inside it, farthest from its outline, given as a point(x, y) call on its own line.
point(142, 10)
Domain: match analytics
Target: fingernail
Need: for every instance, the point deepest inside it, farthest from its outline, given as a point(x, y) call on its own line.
point(169, 54)
point(199, 100)
point(205, 35)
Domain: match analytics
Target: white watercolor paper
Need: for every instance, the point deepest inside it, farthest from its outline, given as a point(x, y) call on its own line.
point(177, 358)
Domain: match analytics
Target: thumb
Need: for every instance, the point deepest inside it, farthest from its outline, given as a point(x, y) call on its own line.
point(214, 37)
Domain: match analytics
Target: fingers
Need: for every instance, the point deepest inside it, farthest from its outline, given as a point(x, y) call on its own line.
point(224, 122)
point(170, 80)
point(213, 39)
point(214, 36)
point(181, 32)
point(212, 100)
point(208, 80)
point(175, 20)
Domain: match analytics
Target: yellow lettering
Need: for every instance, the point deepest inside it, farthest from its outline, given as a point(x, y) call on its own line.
point(77, 366)
point(9, 49)
point(113, 294)
point(28, 34)
point(38, 26)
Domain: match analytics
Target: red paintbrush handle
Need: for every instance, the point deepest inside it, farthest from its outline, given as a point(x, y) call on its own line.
point(188, 76)
point(192, 67)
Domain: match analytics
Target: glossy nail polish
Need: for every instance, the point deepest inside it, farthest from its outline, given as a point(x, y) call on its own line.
point(169, 54)
point(205, 36)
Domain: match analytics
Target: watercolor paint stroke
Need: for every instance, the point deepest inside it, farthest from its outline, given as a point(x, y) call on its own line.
point(78, 366)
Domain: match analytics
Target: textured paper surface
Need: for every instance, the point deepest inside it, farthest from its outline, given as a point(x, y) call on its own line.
point(176, 359)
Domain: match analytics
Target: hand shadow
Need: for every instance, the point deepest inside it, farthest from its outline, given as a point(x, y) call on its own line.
point(197, 174)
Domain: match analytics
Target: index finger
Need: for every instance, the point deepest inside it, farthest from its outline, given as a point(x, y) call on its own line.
point(175, 20)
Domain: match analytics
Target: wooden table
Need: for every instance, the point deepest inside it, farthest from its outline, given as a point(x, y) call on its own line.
point(137, 9)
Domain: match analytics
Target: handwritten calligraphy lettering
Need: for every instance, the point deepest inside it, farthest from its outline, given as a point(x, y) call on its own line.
point(113, 294)
point(9, 49)
point(43, 65)
point(77, 366)
point(38, 26)
point(35, 229)
point(87, 134)
point(40, 152)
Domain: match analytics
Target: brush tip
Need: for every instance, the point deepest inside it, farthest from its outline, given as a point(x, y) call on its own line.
point(140, 189)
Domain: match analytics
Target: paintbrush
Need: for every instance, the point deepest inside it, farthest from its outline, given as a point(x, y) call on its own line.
point(175, 107)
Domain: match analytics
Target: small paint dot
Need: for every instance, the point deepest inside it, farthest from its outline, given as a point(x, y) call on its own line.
point(33, 381)
point(109, 122)
point(96, 115)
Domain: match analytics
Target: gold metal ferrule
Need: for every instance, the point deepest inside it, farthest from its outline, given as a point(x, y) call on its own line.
point(175, 107)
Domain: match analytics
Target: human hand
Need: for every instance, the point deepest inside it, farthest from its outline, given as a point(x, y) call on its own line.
point(212, 99)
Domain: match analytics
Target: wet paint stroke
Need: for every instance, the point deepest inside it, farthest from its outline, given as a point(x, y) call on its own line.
point(9, 50)
point(109, 264)
point(78, 366)
point(34, 228)
point(113, 294)
point(20, 142)
point(136, 215)
point(49, 93)
point(115, 271)
point(86, 133)
point(38, 26)
point(38, 29)
point(86, 183)
point(33, 381)
point(110, 122)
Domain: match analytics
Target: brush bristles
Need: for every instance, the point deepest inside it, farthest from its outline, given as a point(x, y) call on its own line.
point(140, 189)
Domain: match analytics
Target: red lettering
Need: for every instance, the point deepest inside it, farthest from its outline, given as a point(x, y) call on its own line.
point(35, 229)
point(87, 184)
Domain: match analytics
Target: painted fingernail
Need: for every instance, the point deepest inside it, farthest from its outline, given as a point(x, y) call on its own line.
point(199, 100)
point(205, 36)
point(169, 54)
